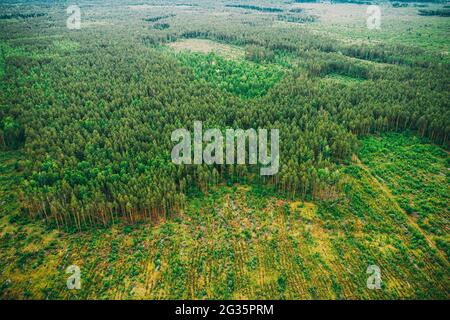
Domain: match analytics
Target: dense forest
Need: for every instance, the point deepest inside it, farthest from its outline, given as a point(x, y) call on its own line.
point(94, 112)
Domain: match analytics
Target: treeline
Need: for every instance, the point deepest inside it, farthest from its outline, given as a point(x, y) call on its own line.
point(297, 10)
point(259, 54)
point(353, 2)
point(296, 18)
point(252, 7)
point(101, 146)
point(399, 5)
point(300, 41)
point(21, 15)
point(158, 18)
point(436, 12)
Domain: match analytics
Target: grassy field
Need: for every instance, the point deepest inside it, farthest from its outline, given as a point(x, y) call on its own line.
point(245, 241)
point(417, 175)
point(207, 46)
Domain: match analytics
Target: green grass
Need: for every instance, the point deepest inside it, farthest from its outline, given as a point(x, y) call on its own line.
point(417, 174)
point(240, 77)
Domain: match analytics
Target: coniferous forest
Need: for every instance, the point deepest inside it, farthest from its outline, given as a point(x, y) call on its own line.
point(87, 178)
